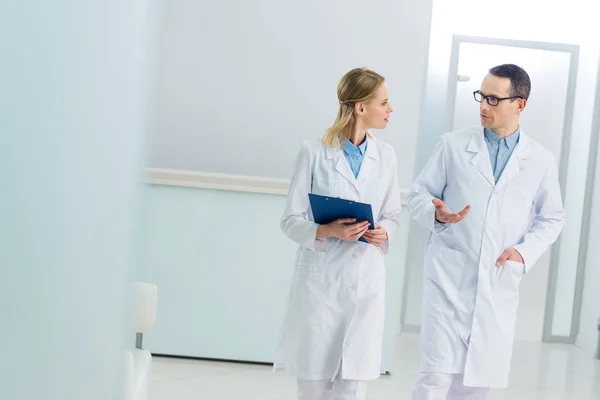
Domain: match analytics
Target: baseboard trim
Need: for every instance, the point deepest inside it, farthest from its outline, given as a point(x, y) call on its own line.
point(559, 339)
point(409, 328)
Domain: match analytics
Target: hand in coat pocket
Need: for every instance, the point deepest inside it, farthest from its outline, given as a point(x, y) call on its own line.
point(511, 255)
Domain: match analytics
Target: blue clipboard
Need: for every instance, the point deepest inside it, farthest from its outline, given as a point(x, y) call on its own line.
point(326, 209)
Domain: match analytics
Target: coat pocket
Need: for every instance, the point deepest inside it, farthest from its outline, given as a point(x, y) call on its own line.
point(309, 261)
point(505, 293)
point(508, 277)
point(517, 203)
point(445, 267)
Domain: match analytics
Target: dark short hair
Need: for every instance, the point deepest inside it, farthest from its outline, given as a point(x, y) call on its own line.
point(520, 84)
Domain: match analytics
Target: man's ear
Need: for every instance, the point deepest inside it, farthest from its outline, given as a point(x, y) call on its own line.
point(522, 105)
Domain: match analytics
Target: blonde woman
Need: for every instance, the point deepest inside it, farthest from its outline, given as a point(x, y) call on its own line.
point(331, 338)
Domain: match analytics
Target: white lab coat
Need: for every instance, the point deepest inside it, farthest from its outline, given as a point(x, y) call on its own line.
point(469, 304)
point(335, 311)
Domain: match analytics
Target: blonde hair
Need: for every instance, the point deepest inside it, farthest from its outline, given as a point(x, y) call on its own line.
point(357, 86)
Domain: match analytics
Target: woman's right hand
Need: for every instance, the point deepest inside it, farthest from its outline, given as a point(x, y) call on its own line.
point(344, 228)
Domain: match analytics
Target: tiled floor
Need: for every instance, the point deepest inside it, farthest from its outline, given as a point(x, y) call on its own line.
point(540, 371)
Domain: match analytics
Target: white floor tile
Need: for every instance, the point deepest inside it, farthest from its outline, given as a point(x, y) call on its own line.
point(539, 372)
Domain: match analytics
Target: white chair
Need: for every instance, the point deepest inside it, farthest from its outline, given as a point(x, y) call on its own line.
point(138, 361)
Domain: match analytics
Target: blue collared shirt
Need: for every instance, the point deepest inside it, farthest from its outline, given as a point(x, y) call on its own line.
point(354, 155)
point(500, 149)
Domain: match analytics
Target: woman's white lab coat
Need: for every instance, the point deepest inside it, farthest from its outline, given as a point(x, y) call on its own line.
point(469, 304)
point(335, 311)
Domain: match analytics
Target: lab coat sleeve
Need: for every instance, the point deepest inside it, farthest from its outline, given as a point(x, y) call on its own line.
point(427, 186)
point(391, 206)
point(294, 221)
point(548, 221)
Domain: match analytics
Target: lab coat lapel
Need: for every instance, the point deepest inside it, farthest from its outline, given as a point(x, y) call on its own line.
point(344, 169)
point(481, 157)
point(341, 164)
point(515, 163)
point(369, 162)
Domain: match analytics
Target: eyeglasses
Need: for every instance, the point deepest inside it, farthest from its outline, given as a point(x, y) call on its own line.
point(491, 100)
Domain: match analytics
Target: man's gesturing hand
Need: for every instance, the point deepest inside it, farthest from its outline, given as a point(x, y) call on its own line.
point(444, 215)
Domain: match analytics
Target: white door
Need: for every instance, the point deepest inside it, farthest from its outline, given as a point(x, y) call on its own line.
point(543, 119)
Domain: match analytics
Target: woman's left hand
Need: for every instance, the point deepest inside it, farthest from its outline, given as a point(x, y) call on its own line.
point(376, 236)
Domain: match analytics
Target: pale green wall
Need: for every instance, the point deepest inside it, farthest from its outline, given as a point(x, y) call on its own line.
point(223, 267)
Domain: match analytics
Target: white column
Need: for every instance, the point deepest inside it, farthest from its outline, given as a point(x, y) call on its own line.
point(73, 78)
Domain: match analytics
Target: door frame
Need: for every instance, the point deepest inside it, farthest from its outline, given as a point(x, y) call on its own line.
point(588, 199)
point(563, 165)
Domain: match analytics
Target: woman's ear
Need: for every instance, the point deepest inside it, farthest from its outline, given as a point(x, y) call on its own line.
point(359, 108)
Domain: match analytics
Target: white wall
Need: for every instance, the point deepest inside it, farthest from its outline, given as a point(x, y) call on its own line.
point(71, 121)
point(242, 83)
point(219, 259)
point(520, 21)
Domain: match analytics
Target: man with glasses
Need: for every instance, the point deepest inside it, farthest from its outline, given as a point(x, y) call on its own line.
point(506, 186)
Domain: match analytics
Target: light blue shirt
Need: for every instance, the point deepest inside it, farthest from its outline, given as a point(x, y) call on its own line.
point(500, 149)
point(354, 155)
